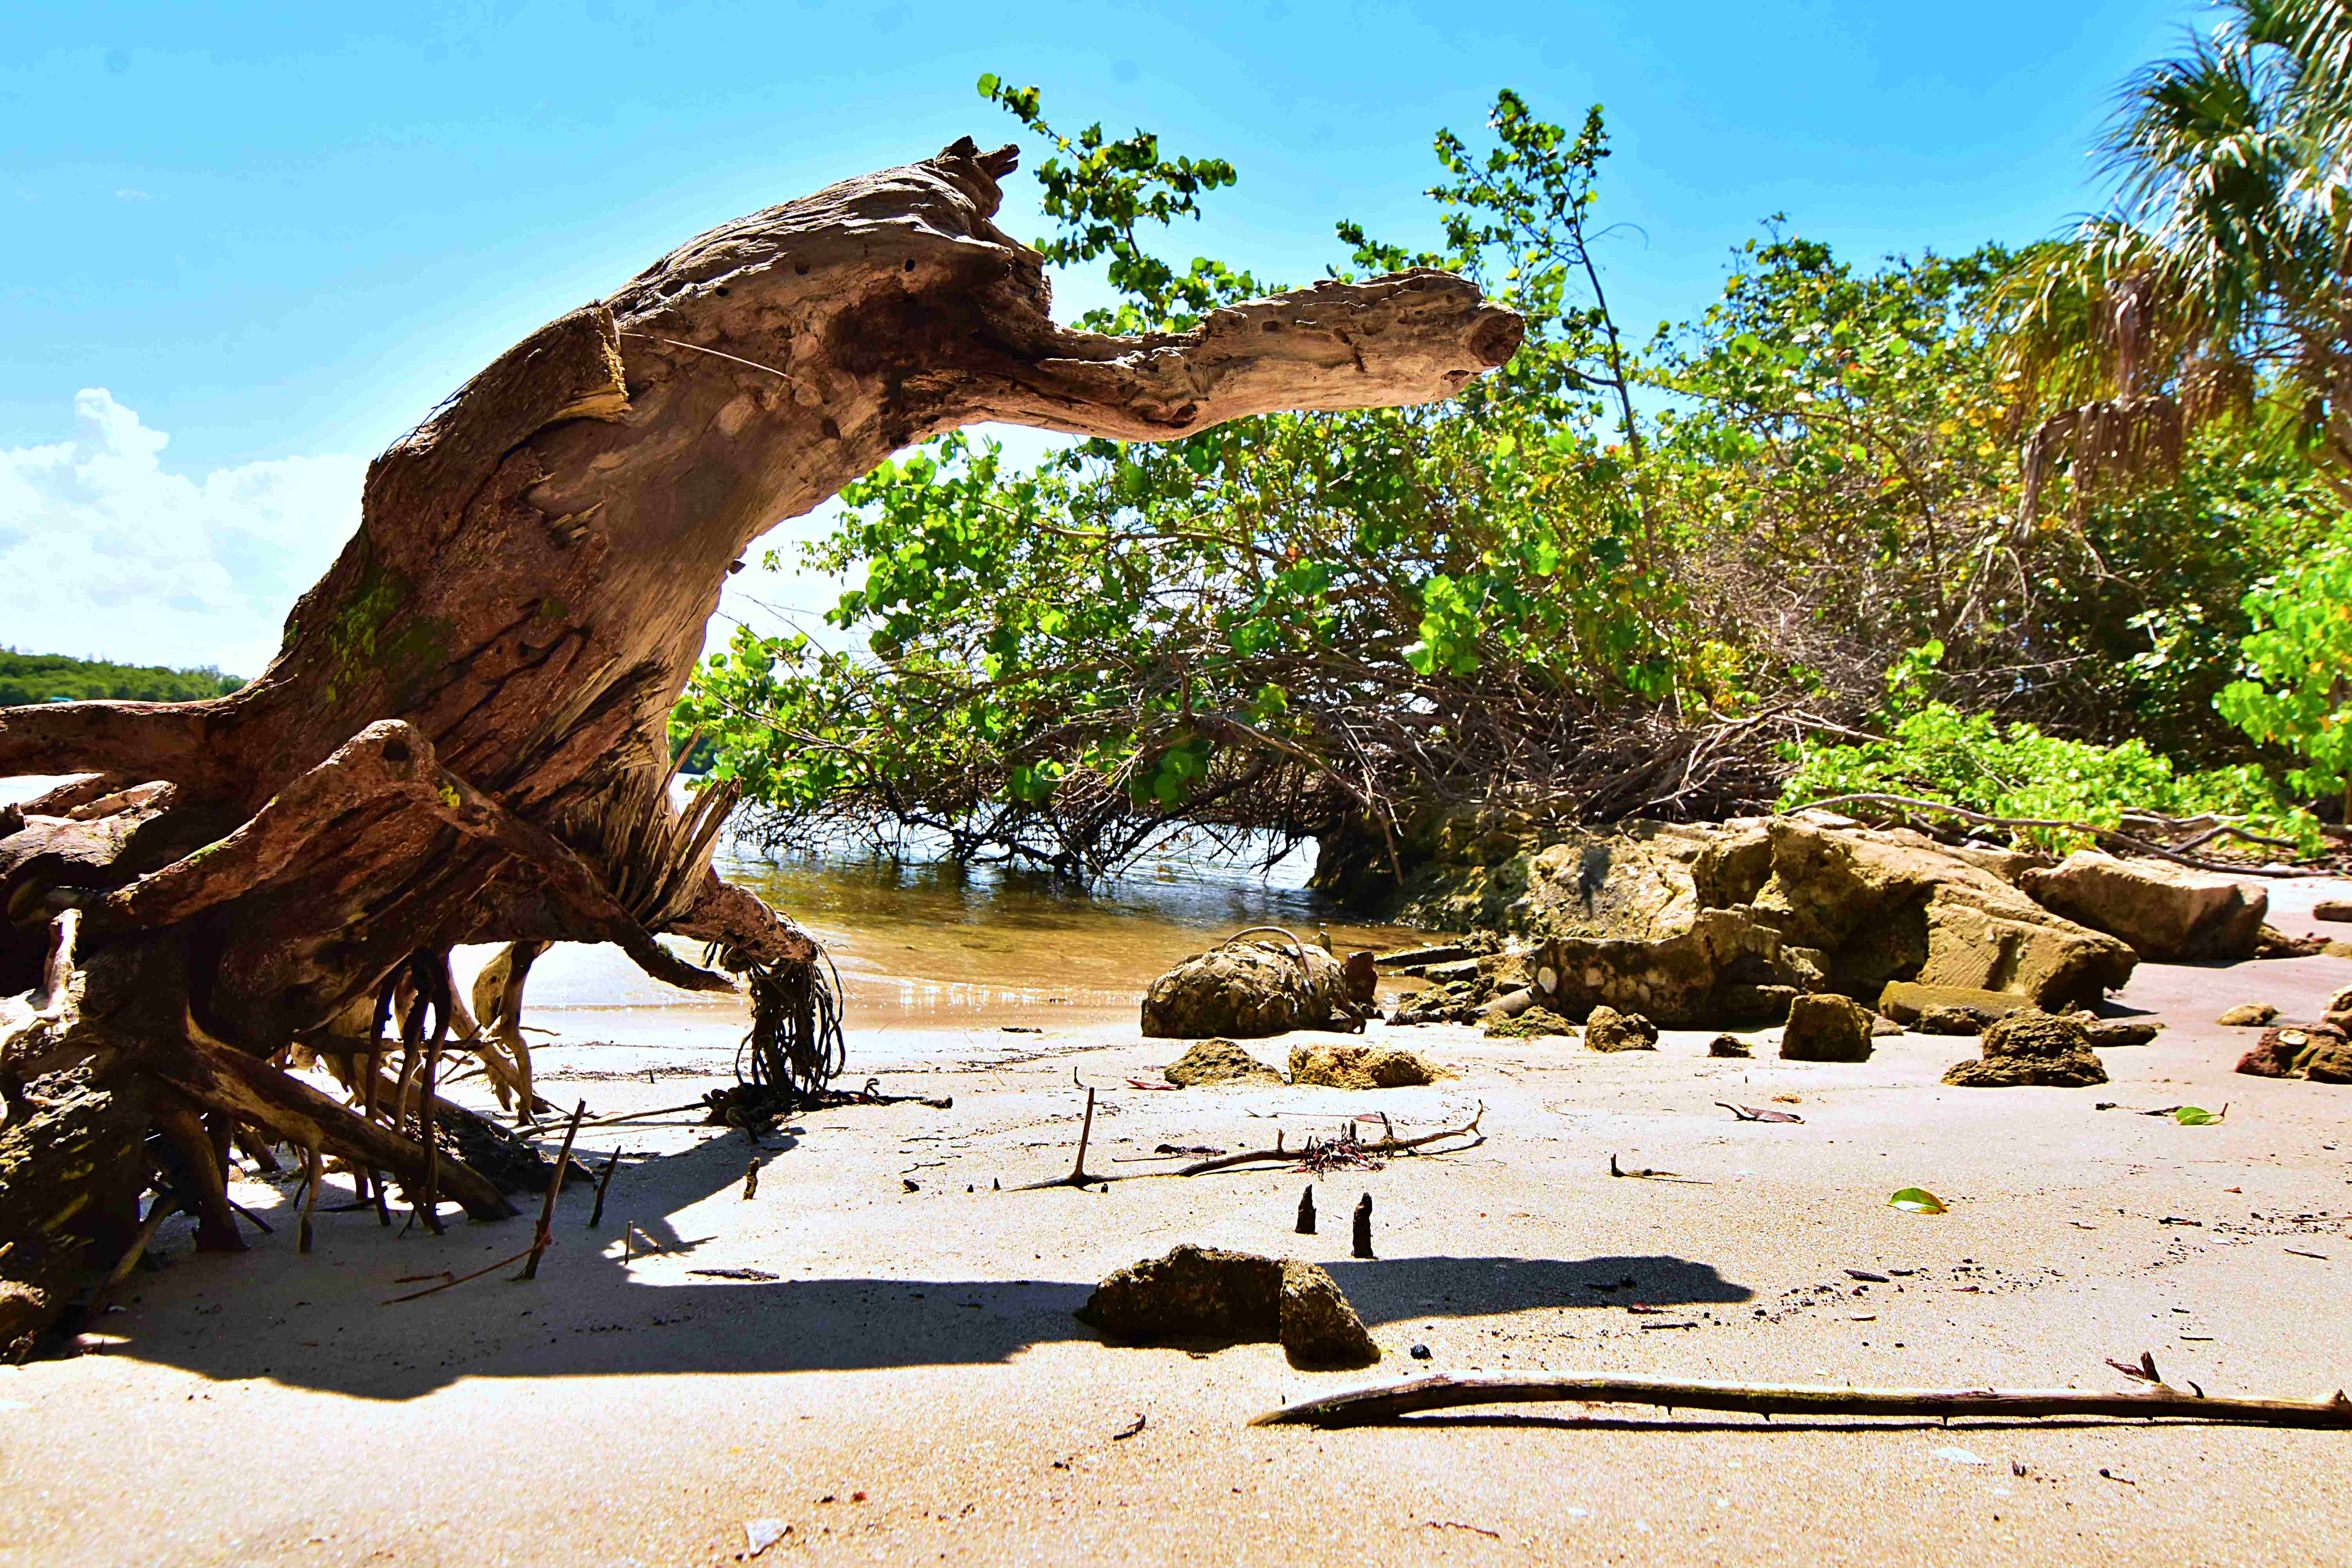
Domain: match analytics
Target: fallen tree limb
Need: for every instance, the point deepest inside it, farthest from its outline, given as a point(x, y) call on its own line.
point(1446, 1391)
point(1392, 1144)
point(1080, 1177)
point(2103, 834)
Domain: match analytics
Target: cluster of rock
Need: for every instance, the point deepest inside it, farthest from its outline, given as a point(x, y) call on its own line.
point(1728, 926)
point(2321, 1052)
point(1787, 907)
point(1333, 1064)
point(1791, 920)
point(2316, 1051)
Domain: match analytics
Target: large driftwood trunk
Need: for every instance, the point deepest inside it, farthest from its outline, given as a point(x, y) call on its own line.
point(463, 739)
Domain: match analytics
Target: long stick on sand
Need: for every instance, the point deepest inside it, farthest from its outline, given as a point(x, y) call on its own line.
point(1386, 1402)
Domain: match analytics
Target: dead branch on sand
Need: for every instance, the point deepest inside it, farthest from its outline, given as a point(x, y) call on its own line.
point(1387, 1402)
point(1080, 1177)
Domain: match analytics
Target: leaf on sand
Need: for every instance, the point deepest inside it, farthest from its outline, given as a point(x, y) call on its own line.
point(1916, 1200)
point(2197, 1115)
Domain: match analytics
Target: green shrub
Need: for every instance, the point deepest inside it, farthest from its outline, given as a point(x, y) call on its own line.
point(2300, 653)
point(1939, 754)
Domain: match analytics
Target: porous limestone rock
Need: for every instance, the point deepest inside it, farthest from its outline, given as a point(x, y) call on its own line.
point(1907, 1001)
point(1897, 906)
point(1607, 1029)
point(1827, 1027)
point(1208, 1293)
point(1787, 906)
point(1340, 1066)
point(1506, 872)
point(1220, 1061)
point(1730, 1046)
point(2316, 1051)
point(1945, 1019)
point(2248, 1016)
point(1248, 990)
point(2170, 914)
point(1532, 1024)
point(2032, 1048)
point(1317, 1325)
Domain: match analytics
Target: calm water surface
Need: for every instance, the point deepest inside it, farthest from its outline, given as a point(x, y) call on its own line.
point(941, 945)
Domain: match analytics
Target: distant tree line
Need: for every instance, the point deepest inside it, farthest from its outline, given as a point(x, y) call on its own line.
point(55, 677)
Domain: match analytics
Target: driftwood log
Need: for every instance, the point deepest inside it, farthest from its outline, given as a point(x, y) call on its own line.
point(1452, 1391)
point(463, 738)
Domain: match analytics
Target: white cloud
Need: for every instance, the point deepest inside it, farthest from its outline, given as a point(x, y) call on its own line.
point(105, 554)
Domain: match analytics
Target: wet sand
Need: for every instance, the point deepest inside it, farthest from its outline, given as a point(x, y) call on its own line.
point(911, 1385)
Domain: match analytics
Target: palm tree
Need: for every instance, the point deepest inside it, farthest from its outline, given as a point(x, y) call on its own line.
point(2220, 273)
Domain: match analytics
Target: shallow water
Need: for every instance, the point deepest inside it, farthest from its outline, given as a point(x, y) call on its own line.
point(941, 946)
point(935, 945)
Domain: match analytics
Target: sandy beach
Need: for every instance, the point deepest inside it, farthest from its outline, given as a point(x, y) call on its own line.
point(911, 1385)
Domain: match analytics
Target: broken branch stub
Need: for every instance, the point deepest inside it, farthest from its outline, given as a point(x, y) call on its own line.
point(464, 736)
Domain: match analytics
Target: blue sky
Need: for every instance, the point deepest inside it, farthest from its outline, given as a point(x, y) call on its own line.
point(277, 235)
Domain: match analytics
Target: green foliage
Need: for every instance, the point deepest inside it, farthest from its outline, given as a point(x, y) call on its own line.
point(27, 678)
point(1257, 626)
point(1843, 454)
point(1941, 753)
point(2300, 655)
point(1300, 621)
point(1098, 190)
point(1840, 433)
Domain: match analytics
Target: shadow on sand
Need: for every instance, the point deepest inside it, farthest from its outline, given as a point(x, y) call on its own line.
point(323, 1321)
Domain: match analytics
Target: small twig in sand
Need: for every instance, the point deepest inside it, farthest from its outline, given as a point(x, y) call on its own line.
point(604, 1180)
point(695, 1105)
point(446, 1281)
point(1078, 1176)
point(1447, 1391)
point(1648, 1175)
point(1279, 1154)
point(546, 1236)
point(314, 1168)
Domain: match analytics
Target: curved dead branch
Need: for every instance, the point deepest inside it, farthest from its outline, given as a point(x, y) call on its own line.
point(465, 735)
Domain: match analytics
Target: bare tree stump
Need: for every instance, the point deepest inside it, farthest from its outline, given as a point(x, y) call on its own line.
point(464, 738)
